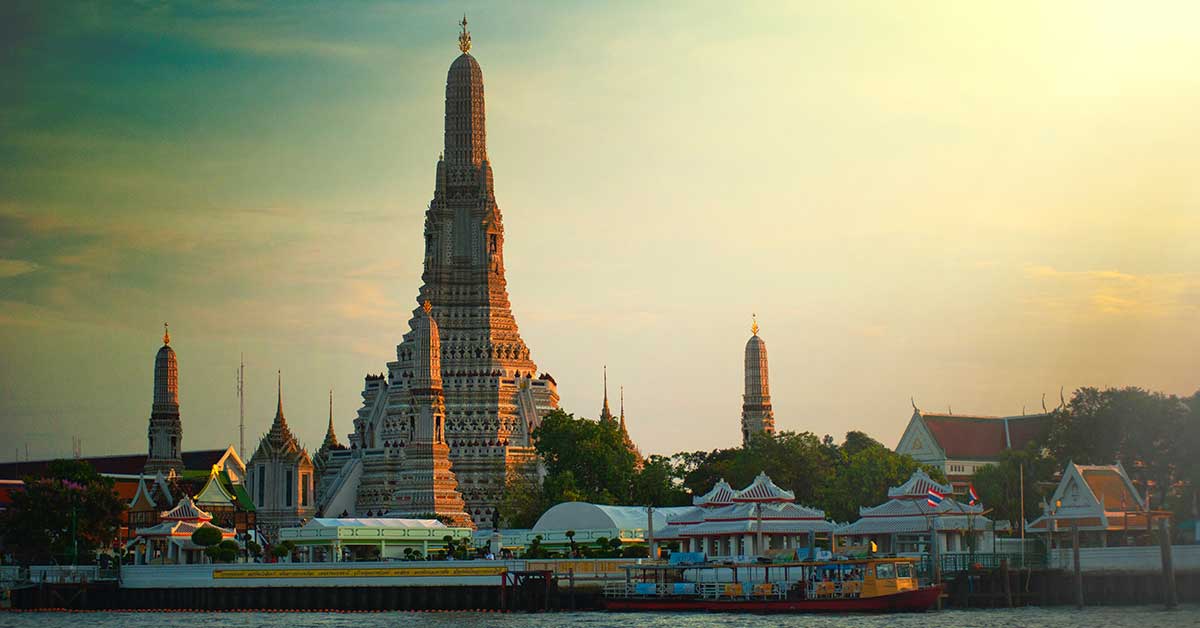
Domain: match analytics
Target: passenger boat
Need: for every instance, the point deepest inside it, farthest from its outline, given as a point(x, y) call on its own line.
point(837, 586)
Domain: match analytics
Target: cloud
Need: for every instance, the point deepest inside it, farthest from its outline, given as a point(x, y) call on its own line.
point(1107, 293)
point(15, 267)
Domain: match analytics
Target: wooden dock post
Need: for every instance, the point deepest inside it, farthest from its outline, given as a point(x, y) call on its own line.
point(1007, 584)
point(1075, 558)
point(571, 586)
point(1171, 596)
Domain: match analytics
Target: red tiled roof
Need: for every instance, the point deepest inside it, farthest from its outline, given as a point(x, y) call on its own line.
point(982, 438)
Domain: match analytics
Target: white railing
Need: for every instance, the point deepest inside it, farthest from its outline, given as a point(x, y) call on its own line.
point(64, 573)
point(1147, 559)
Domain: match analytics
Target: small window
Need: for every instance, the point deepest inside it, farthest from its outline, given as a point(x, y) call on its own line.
point(885, 571)
point(904, 570)
point(303, 489)
point(287, 500)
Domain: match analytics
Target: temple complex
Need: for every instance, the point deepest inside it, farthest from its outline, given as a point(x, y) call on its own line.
point(961, 444)
point(494, 397)
point(166, 430)
point(757, 416)
point(279, 477)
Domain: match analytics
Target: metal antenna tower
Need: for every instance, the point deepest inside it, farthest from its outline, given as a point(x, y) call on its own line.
point(241, 388)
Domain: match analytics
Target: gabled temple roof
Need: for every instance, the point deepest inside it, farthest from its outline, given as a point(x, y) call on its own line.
point(763, 489)
point(967, 437)
point(186, 510)
point(918, 485)
point(279, 442)
point(214, 492)
point(721, 494)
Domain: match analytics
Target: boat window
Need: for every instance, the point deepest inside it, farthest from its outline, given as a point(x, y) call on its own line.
point(904, 570)
point(885, 571)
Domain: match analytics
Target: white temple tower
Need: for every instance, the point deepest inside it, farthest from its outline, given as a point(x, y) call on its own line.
point(757, 416)
point(425, 483)
point(494, 397)
point(166, 430)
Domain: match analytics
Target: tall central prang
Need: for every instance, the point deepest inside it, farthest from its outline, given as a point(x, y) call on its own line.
point(494, 397)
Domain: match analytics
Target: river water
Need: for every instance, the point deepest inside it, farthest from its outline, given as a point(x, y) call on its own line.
point(1187, 616)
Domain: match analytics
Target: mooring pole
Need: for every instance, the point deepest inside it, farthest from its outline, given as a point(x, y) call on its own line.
point(1075, 557)
point(571, 586)
point(1168, 567)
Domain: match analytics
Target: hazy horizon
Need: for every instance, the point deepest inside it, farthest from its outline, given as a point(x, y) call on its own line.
point(969, 204)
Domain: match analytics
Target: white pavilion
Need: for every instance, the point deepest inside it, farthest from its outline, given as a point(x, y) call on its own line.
point(758, 520)
point(903, 524)
point(171, 540)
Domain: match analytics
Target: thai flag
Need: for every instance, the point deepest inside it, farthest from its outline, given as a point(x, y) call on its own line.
point(935, 498)
point(974, 496)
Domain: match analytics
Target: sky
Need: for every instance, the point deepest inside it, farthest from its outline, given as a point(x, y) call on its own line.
point(966, 204)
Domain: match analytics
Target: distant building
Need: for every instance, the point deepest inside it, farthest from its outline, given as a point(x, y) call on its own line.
point(757, 415)
point(165, 435)
point(170, 541)
point(279, 478)
point(960, 444)
point(152, 481)
point(906, 522)
point(759, 520)
point(1102, 502)
point(606, 416)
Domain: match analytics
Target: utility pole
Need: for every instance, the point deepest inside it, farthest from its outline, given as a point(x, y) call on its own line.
point(241, 387)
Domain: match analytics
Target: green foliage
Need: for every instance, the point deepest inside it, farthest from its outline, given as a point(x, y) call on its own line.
point(283, 548)
point(1153, 435)
point(999, 486)
point(523, 501)
point(253, 549)
point(224, 552)
point(64, 517)
point(587, 460)
point(206, 536)
point(823, 474)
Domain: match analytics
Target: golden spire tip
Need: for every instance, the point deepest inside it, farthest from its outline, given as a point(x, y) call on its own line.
point(754, 325)
point(166, 335)
point(464, 37)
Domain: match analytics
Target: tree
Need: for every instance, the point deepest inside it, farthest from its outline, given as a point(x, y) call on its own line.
point(253, 549)
point(999, 485)
point(206, 536)
point(523, 500)
point(283, 549)
point(66, 516)
point(224, 552)
point(658, 484)
point(587, 459)
point(863, 476)
point(1151, 434)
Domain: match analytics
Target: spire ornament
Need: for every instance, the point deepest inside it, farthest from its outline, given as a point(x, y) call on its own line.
point(754, 325)
point(166, 335)
point(464, 38)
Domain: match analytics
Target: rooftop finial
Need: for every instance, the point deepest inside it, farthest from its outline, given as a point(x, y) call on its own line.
point(754, 325)
point(427, 306)
point(166, 335)
point(279, 394)
point(464, 38)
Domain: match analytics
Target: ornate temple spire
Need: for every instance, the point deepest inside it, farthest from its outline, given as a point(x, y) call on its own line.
point(331, 441)
point(466, 135)
point(757, 415)
point(165, 435)
point(279, 398)
point(605, 413)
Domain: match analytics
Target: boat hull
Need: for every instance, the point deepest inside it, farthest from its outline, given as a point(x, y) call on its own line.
point(917, 600)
